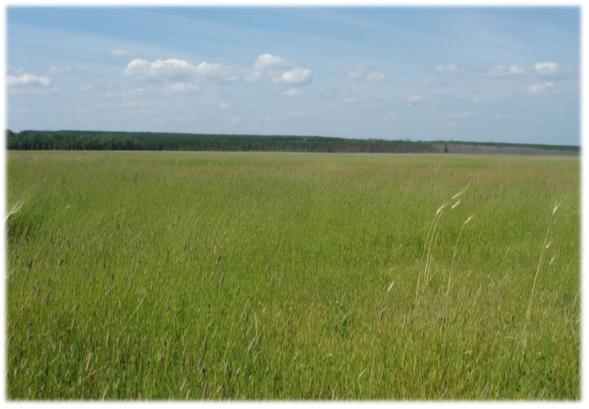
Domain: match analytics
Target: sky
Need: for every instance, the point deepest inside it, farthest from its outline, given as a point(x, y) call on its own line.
point(469, 74)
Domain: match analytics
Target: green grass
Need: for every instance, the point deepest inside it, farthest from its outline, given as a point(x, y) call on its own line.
point(268, 276)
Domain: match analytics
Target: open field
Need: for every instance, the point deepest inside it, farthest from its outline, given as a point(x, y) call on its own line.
point(157, 275)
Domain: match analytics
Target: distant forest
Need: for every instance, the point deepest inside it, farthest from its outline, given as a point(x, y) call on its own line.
point(152, 141)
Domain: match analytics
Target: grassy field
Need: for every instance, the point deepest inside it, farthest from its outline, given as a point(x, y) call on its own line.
point(292, 276)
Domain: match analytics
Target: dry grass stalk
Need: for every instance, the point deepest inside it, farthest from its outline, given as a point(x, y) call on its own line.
point(540, 259)
point(17, 206)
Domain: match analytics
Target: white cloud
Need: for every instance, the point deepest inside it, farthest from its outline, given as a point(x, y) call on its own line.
point(296, 76)
point(539, 87)
point(85, 88)
point(180, 88)
point(358, 73)
point(415, 99)
point(224, 105)
point(252, 75)
point(502, 71)
point(171, 68)
point(216, 71)
point(235, 119)
point(448, 68)
point(176, 69)
point(28, 80)
point(293, 92)
point(536, 89)
point(53, 70)
point(119, 52)
point(376, 76)
point(269, 62)
point(548, 67)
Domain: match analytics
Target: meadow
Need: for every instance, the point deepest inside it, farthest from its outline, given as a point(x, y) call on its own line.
point(292, 276)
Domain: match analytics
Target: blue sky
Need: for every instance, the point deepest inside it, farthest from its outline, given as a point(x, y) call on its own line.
point(473, 74)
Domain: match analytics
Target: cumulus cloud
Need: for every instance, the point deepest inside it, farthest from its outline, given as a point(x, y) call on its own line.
point(27, 80)
point(235, 119)
point(216, 71)
point(171, 68)
point(376, 76)
point(224, 105)
point(447, 68)
point(549, 68)
point(119, 52)
point(175, 69)
point(296, 76)
point(253, 75)
point(415, 99)
point(293, 92)
point(540, 89)
point(53, 70)
point(267, 62)
point(502, 71)
point(358, 73)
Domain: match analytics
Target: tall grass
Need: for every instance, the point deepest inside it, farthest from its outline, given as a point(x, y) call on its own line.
point(291, 276)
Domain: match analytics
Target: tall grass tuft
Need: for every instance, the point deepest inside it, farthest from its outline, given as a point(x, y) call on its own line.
point(545, 246)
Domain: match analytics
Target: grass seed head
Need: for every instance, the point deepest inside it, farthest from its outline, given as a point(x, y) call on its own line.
point(17, 206)
point(555, 209)
point(440, 209)
point(391, 286)
point(459, 193)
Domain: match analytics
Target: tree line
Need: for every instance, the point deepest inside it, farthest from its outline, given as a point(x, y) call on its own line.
point(152, 141)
